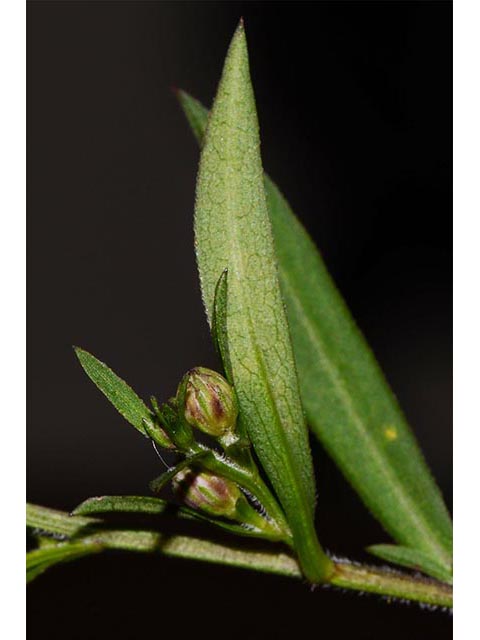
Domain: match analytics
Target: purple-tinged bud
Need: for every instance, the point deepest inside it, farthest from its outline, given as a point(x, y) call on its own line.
point(210, 402)
point(207, 492)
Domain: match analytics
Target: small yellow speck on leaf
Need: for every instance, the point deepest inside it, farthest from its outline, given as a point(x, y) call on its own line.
point(390, 433)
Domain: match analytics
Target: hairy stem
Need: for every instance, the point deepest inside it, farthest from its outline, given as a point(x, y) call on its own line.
point(382, 581)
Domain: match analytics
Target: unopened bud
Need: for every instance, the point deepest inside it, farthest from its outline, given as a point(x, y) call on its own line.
point(210, 402)
point(207, 492)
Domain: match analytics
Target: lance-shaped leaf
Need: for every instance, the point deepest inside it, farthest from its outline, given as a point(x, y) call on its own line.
point(232, 231)
point(160, 482)
point(123, 398)
point(219, 324)
point(122, 504)
point(147, 506)
point(348, 402)
point(412, 559)
point(42, 559)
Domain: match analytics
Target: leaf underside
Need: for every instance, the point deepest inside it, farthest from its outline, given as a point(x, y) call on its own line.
point(348, 403)
point(232, 231)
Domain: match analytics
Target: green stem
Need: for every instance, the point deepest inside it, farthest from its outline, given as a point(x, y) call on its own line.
point(381, 581)
point(392, 584)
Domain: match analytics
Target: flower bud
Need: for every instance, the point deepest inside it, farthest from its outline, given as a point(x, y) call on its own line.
point(207, 492)
point(210, 402)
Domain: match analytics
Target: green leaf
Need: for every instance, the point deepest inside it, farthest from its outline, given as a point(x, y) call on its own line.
point(156, 507)
point(156, 434)
point(219, 324)
point(232, 231)
point(195, 112)
point(42, 559)
point(53, 521)
point(35, 572)
point(159, 483)
point(348, 402)
point(220, 340)
point(121, 504)
point(123, 398)
point(412, 559)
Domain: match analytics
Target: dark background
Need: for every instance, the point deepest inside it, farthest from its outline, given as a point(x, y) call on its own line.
point(355, 107)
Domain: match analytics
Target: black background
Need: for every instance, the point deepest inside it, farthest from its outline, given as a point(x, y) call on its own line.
point(354, 101)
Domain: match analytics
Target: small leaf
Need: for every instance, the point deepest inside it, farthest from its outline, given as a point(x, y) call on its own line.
point(159, 483)
point(344, 393)
point(249, 531)
point(123, 398)
point(156, 434)
point(42, 559)
point(156, 506)
point(121, 504)
point(232, 231)
point(36, 571)
point(219, 324)
point(196, 114)
point(233, 447)
point(57, 522)
point(412, 559)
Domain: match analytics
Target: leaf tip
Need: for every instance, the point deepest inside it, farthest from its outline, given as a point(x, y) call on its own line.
point(239, 40)
point(79, 352)
point(83, 507)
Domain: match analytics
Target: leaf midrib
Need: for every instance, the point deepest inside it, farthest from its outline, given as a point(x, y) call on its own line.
point(239, 264)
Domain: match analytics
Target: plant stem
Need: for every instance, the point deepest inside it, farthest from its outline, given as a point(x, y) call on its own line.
point(347, 575)
point(391, 584)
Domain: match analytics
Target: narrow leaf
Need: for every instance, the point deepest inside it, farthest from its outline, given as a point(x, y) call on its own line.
point(412, 559)
point(57, 522)
point(121, 504)
point(123, 398)
point(159, 483)
point(348, 402)
point(40, 560)
point(36, 571)
point(232, 231)
point(156, 434)
point(195, 112)
point(219, 324)
point(220, 340)
point(157, 507)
